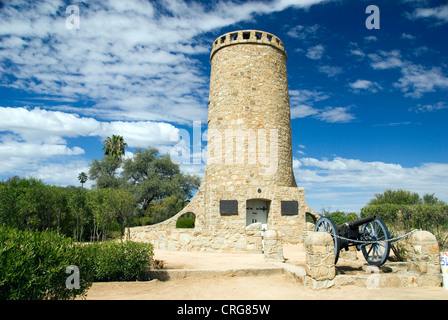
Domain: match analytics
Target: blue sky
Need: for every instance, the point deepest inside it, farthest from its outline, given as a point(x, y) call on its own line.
point(369, 107)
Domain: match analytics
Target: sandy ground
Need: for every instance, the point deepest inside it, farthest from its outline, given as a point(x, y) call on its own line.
point(274, 287)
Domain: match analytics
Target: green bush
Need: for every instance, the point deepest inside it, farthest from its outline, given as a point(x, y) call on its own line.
point(33, 265)
point(340, 217)
point(185, 222)
point(402, 218)
point(119, 261)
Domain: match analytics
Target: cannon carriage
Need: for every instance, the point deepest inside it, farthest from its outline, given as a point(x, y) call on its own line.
point(370, 235)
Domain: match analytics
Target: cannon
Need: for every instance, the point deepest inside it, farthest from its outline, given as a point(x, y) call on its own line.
point(370, 235)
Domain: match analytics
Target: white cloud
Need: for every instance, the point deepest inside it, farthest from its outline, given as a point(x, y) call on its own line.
point(339, 181)
point(42, 126)
point(304, 32)
point(328, 114)
point(335, 115)
point(306, 96)
point(302, 111)
point(371, 38)
point(316, 52)
point(357, 52)
point(386, 60)
point(134, 61)
point(415, 79)
point(407, 36)
point(367, 85)
point(440, 13)
point(330, 71)
point(32, 139)
point(302, 102)
point(430, 107)
point(62, 174)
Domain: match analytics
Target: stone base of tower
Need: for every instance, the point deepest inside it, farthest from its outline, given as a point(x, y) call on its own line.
point(232, 220)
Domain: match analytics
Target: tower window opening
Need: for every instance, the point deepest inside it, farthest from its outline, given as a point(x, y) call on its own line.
point(223, 39)
point(234, 36)
point(246, 35)
point(258, 35)
point(269, 36)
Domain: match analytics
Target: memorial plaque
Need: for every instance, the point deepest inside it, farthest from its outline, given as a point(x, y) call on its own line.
point(290, 208)
point(228, 207)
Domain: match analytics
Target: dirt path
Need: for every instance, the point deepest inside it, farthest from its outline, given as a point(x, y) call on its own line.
point(277, 287)
point(274, 287)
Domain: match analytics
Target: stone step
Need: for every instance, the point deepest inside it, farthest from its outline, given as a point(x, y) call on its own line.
point(169, 274)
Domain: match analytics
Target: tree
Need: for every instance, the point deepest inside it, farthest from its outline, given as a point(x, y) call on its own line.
point(102, 210)
point(431, 199)
point(396, 197)
point(82, 177)
point(152, 176)
point(79, 211)
point(340, 217)
point(114, 146)
point(104, 172)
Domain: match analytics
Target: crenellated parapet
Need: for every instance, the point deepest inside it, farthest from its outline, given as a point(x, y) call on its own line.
point(247, 36)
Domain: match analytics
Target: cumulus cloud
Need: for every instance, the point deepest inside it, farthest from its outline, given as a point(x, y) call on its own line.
point(339, 181)
point(330, 71)
point(335, 115)
point(302, 106)
point(415, 79)
point(304, 32)
point(316, 52)
point(364, 85)
point(429, 107)
point(33, 138)
point(135, 61)
point(440, 14)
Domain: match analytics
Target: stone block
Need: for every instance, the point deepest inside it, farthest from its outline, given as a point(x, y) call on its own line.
point(423, 253)
point(320, 256)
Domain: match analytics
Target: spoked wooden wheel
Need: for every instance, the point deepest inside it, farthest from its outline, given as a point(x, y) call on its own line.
point(326, 224)
point(377, 252)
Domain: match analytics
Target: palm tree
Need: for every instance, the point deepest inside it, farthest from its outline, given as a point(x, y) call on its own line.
point(82, 177)
point(114, 146)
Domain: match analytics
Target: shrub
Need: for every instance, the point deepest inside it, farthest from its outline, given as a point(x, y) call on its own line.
point(33, 265)
point(403, 218)
point(119, 261)
point(187, 222)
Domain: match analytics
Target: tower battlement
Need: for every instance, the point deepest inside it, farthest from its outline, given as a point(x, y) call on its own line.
point(247, 36)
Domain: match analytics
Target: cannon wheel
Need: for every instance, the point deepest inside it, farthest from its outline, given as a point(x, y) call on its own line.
point(376, 253)
point(326, 224)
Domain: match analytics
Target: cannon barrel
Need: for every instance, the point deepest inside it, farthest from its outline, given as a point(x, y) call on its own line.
point(356, 223)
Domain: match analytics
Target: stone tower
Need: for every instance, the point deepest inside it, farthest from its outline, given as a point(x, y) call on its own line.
point(249, 98)
point(248, 181)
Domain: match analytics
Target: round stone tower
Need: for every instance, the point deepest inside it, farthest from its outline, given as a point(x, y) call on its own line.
point(249, 130)
point(248, 184)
